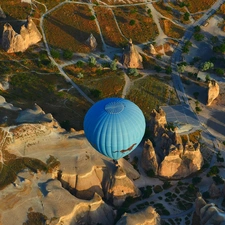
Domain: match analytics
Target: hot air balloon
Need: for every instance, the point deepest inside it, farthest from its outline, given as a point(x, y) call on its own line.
point(114, 127)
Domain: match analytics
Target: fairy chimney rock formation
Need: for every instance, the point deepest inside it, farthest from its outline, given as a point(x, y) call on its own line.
point(152, 50)
point(121, 187)
point(2, 14)
point(14, 42)
point(157, 122)
point(91, 42)
point(149, 157)
point(213, 91)
point(131, 57)
point(199, 203)
point(214, 191)
point(178, 164)
point(145, 217)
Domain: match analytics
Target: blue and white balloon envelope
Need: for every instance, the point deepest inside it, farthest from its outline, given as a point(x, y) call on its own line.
point(114, 127)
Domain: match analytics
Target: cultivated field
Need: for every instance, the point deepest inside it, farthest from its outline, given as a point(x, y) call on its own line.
point(136, 23)
point(170, 29)
point(197, 6)
point(109, 29)
point(72, 28)
point(150, 93)
point(96, 82)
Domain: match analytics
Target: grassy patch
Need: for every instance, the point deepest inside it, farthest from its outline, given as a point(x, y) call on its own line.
point(142, 24)
point(197, 6)
point(98, 83)
point(15, 9)
point(170, 29)
point(72, 28)
point(109, 28)
point(149, 93)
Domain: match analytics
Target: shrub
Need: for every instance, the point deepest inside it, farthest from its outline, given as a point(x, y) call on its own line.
point(158, 68)
point(213, 171)
point(196, 180)
point(166, 184)
point(198, 36)
point(80, 64)
point(186, 16)
point(218, 180)
point(95, 93)
point(55, 54)
point(198, 109)
point(157, 189)
point(67, 54)
point(196, 94)
point(150, 173)
point(132, 22)
point(168, 69)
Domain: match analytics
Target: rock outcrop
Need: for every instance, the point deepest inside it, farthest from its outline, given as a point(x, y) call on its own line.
point(6, 105)
point(35, 115)
point(170, 157)
point(149, 158)
point(39, 193)
point(213, 91)
point(131, 57)
point(14, 42)
point(91, 42)
point(214, 191)
point(157, 122)
point(209, 213)
point(145, 217)
point(178, 164)
point(120, 187)
point(2, 14)
point(199, 203)
point(152, 50)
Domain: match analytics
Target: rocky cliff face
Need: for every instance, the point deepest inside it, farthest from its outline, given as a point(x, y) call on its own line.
point(147, 217)
point(131, 57)
point(213, 91)
point(14, 42)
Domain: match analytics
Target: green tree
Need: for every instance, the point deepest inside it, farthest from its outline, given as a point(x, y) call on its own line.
point(186, 16)
point(168, 69)
point(207, 78)
point(198, 36)
point(80, 64)
point(67, 54)
point(132, 22)
point(181, 68)
point(55, 54)
point(80, 75)
point(158, 68)
point(207, 65)
point(92, 61)
point(197, 29)
point(219, 71)
point(113, 65)
point(133, 72)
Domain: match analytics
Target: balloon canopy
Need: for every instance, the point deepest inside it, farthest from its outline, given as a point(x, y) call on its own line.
point(114, 127)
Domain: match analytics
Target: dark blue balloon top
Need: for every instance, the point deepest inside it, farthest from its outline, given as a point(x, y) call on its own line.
point(114, 127)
